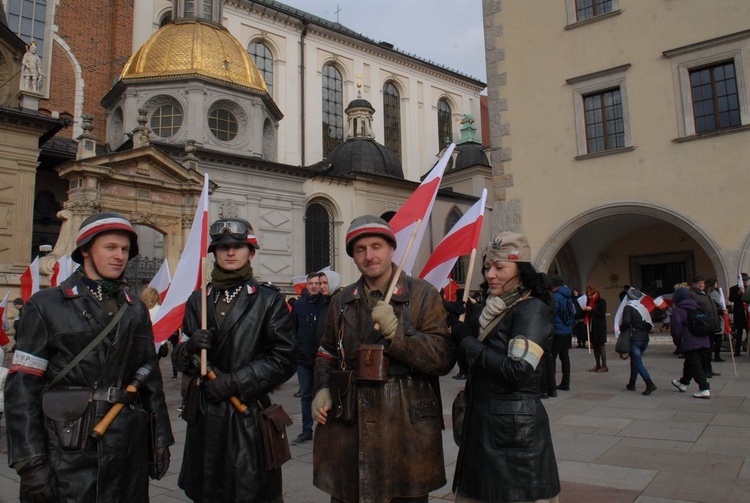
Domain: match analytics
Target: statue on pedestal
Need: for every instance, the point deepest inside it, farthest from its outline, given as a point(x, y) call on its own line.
point(31, 70)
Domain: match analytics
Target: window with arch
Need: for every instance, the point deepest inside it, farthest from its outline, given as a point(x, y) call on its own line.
point(263, 58)
point(445, 127)
point(458, 273)
point(26, 18)
point(333, 109)
point(318, 237)
point(392, 118)
point(166, 18)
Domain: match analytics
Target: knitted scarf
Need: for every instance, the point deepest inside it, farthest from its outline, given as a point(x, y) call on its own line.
point(223, 280)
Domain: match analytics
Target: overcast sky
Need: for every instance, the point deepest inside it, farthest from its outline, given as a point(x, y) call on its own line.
point(448, 32)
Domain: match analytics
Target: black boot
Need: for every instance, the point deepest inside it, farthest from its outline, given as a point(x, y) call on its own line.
point(650, 386)
point(630, 386)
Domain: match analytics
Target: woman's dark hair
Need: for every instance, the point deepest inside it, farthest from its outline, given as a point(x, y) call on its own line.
point(711, 284)
point(537, 282)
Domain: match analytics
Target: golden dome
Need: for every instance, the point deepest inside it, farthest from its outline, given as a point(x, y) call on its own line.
point(194, 48)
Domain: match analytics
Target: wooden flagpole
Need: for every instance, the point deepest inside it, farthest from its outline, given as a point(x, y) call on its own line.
point(400, 268)
point(467, 284)
point(204, 321)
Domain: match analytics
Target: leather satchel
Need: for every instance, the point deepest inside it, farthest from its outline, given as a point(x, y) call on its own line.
point(459, 416)
point(272, 422)
point(70, 412)
point(343, 390)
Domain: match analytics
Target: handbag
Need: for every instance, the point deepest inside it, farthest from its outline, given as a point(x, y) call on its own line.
point(459, 416)
point(622, 346)
point(272, 422)
point(70, 412)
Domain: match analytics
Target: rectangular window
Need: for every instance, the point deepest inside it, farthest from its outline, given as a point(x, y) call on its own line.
point(605, 127)
point(586, 9)
point(26, 18)
point(716, 103)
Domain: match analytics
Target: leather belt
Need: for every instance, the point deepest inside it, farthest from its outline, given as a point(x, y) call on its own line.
point(115, 395)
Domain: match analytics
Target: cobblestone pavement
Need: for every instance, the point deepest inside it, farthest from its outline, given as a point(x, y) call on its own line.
point(611, 444)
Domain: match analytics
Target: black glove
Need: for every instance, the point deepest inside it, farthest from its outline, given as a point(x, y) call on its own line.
point(38, 484)
point(160, 466)
point(221, 388)
point(460, 331)
point(456, 308)
point(200, 339)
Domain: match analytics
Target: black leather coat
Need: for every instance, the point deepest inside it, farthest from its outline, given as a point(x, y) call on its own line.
point(57, 324)
point(507, 452)
point(224, 458)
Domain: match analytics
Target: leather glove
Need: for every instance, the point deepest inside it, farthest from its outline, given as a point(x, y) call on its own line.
point(323, 401)
point(160, 466)
point(385, 317)
point(200, 339)
point(38, 484)
point(221, 388)
point(460, 331)
point(456, 308)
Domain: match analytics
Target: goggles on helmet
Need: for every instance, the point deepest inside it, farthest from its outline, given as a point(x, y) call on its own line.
point(235, 228)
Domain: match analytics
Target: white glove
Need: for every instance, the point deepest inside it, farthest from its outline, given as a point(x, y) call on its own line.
point(321, 404)
point(383, 315)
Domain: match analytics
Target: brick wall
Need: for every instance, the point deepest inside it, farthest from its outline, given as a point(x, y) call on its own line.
point(99, 34)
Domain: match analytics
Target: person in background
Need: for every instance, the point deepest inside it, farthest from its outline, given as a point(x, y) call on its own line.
point(57, 326)
point(506, 453)
point(636, 318)
point(579, 326)
point(688, 345)
point(18, 304)
point(563, 322)
point(712, 290)
point(700, 296)
point(596, 316)
point(739, 312)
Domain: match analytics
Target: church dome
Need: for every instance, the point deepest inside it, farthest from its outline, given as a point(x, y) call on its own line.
point(363, 155)
point(194, 47)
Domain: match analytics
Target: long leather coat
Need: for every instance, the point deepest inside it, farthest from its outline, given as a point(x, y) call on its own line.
point(394, 448)
point(507, 453)
point(224, 458)
point(57, 324)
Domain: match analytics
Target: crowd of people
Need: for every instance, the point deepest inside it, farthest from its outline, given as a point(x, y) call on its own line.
point(86, 412)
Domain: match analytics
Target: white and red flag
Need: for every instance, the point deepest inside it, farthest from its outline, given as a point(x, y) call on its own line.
point(417, 208)
point(161, 281)
point(299, 283)
point(647, 301)
point(460, 240)
point(30, 280)
point(62, 270)
point(3, 336)
point(188, 275)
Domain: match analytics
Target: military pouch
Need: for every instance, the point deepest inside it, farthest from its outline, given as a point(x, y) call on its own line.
point(343, 390)
point(70, 412)
point(192, 401)
point(372, 364)
point(272, 422)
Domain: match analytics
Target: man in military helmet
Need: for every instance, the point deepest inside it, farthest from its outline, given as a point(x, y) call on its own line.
point(251, 346)
point(78, 346)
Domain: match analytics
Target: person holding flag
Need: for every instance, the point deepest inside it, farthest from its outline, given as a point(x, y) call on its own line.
point(390, 447)
point(251, 346)
point(77, 348)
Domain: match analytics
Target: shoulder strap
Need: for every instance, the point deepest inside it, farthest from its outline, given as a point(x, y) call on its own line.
point(90, 346)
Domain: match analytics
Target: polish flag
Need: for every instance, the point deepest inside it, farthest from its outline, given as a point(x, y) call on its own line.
point(299, 283)
point(62, 270)
point(460, 240)
point(188, 275)
point(161, 281)
point(3, 336)
point(417, 207)
point(451, 290)
point(650, 303)
point(30, 280)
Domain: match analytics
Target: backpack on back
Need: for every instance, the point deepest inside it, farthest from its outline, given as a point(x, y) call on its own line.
point(701, 323)
point(568, 312)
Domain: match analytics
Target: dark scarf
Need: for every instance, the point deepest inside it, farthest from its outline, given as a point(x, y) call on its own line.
point(109, 286)
point(224, 280)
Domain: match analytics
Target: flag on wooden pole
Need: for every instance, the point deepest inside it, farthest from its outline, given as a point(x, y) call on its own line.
point(161, 281)
point(4, 340)
point(417, 208)
point(30, 280)
point(188, 275)
point(62, 270)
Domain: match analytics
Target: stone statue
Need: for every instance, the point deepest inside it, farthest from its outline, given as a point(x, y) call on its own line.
point(31, 70)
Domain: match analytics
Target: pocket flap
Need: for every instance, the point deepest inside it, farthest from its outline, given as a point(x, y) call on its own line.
point(277, 416)
point(515, 407)
point(65, 405)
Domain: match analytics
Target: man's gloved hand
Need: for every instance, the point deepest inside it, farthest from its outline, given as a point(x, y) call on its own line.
point(321, 404)
point(161, 464)
point(221, 388)
point(200, 339)
point(456, 308)
point(460, 331)
point(385, 317)
point(38, 484)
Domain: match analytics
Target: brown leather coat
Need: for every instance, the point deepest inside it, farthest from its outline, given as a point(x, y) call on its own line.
point(394, 448)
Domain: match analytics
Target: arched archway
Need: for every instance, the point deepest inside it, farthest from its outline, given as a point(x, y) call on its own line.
point(585, 244)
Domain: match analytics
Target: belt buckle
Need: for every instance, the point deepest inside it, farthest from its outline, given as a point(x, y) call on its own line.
point(112, 394)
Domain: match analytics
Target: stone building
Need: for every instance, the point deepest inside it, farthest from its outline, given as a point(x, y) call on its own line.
point(619, 137)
